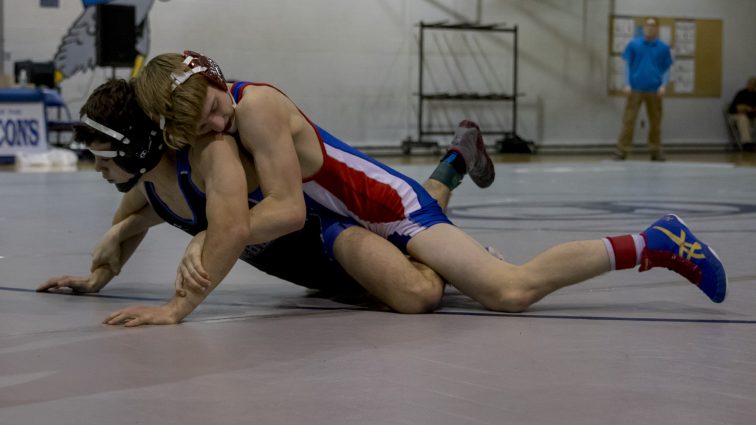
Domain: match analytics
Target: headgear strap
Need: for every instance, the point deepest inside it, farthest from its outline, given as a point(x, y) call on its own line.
point(180, 77)
point(136, 158)
point(199, 64)
point(105, 130)
point(108, 132)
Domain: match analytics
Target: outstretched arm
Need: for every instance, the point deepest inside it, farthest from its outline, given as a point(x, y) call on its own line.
point(130, 223)
point(225, 238)
point(122, 239)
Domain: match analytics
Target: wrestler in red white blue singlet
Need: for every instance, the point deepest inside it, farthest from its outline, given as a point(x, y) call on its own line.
point(353, 189)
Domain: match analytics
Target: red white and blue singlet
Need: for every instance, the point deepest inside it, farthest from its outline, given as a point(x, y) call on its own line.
point(353, 189)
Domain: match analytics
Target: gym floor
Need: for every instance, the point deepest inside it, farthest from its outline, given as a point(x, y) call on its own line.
point(624, 348)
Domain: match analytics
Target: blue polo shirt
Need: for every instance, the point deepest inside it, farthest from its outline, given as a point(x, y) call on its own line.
point(648, 64)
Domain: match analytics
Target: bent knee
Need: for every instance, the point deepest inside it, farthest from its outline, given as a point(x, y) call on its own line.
point(421, 298)
point(511, 301)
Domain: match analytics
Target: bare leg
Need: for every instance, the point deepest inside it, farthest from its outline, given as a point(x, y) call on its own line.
point(499, 285)
point(402, 283)
point(439, 191)
point(380, 267)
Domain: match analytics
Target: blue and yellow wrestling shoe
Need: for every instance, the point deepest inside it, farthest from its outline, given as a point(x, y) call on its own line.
point(670, 244)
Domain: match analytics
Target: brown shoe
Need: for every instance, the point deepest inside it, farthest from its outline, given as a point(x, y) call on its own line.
point(468, 142)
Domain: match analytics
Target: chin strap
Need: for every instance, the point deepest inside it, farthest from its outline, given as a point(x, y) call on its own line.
point(125, 187)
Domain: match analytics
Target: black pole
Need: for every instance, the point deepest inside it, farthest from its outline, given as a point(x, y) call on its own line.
point(420, 85)
point(514, 86)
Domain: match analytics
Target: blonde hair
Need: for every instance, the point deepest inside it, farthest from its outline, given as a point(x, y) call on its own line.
point(181, 108)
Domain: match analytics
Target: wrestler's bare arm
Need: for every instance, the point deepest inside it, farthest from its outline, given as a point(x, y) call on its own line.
point(130, 223)
point(263, 120)
point(228, 230)
point(123, 238)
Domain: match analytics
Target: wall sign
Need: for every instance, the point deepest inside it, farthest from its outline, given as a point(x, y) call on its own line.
point(23, 127)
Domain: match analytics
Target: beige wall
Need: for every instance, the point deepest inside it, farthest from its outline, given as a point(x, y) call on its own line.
point(351, 64)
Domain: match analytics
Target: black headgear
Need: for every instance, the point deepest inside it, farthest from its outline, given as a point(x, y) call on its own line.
point(137, 148)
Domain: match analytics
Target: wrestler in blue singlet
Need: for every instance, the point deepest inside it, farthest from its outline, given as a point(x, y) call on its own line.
point(298, 257)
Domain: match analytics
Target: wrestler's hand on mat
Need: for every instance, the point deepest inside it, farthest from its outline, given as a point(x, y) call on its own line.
point(107, 253)
point(78, 284)
point(190, 274)
point(140, 315)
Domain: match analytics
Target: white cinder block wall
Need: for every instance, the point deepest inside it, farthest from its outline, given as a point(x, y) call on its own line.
point(352, 64)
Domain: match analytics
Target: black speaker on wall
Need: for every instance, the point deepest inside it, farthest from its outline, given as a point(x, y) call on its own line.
point(115, 39)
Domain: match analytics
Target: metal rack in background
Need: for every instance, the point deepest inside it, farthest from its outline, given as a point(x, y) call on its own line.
point(510, 141)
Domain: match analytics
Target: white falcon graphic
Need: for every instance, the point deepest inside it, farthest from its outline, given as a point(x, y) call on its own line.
point(76, 52)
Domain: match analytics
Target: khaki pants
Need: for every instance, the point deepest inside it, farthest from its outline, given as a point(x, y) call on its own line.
point(654, 110)
point(743, 122)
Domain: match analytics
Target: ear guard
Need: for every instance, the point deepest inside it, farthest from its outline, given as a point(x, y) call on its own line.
point(137, 149)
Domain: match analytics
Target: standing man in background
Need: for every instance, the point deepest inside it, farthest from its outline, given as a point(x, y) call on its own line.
point(648, 60)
